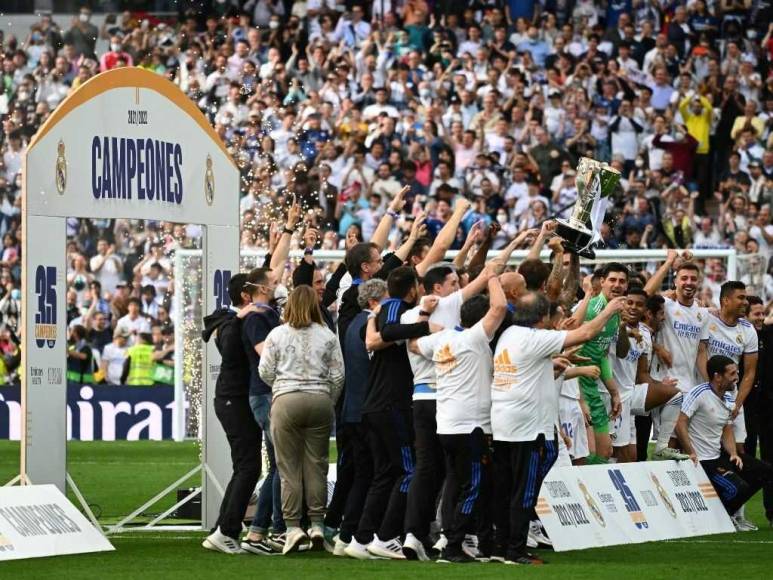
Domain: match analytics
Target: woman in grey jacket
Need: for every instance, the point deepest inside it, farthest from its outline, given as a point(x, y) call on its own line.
point(303, 365)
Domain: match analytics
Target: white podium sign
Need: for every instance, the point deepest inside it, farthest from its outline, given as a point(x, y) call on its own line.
point(37, 521)
point(606, 505)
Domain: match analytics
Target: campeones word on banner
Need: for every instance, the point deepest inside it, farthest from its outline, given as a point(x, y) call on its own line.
point(606, 505)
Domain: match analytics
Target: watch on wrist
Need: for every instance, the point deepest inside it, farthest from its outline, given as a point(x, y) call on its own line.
point(287, 230)
point(424, 313)
point(308, 251)
point(393, 214)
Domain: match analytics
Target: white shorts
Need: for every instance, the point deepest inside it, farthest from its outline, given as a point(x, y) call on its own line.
point(564, 459)
point(573, 423)
point(622, 429)
point(639, 399)
point(739, 428)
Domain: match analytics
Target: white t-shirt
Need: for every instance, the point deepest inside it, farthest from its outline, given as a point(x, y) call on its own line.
point(446, 314)
point(708, 416)
point(729, 341)
point(680, 335)
point(624, 369)
point(114, 356)
point(463, 366)
point(133, 327)
point(111, 272)
point(524, 396)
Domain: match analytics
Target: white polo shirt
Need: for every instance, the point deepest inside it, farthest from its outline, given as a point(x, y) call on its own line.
point(463, 365)
point(524, 395)
point(708, 415)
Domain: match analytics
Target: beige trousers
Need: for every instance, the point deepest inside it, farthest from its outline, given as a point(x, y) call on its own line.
point(300, 428)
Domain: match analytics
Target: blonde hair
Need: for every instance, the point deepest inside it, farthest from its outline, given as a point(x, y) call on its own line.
point(302, 308)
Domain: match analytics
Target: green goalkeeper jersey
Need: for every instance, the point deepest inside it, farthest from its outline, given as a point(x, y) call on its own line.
point(597, 348)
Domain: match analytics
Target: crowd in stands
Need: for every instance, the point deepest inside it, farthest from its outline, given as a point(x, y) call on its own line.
point(339, 105)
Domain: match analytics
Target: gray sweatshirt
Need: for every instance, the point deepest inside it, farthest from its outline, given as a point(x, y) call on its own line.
point(302, 359)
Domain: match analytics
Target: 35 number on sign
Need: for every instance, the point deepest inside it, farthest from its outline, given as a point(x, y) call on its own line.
point(46, 315)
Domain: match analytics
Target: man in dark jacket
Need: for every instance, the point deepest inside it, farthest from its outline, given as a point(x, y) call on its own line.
point(232, 408)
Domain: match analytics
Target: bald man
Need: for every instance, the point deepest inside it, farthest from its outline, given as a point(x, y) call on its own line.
point(514, 286)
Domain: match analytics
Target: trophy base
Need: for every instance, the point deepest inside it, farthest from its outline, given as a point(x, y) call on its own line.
point(576, 240)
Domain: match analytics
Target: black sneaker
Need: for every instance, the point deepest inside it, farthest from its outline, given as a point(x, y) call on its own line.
point(259, 547)
point(524, 560)
point(497, 555)
point(458, 556)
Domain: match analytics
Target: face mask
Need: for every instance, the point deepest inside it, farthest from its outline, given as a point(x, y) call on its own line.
point(35, 37)
point(679, 136)
point(639, 163)
point(502, 218)
point(84, 17)
point(273, 24)
point(16, 294)
point(115, 47)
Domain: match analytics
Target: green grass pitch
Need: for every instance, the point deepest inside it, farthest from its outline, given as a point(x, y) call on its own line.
point(117, 477)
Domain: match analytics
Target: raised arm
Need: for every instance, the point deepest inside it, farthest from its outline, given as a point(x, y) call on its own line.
point(555, 281)
point(418, 229)
point(474, 235)
point(444, 238)
point(655, 283)
point(497, 307)
point(282, 251)
point(548, 228)
point(381, 235)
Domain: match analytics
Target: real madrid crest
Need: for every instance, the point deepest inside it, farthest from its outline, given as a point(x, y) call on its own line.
point(61, 168)
point(209, 182)
point(739, 339)
point(700, 317)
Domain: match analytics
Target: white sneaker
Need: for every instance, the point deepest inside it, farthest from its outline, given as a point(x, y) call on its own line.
point(470, 545)
point(441, 544)
point(358, 551)
point(294, 539)
point(670, 454)
point(413, 549)
point(317, 535)
point(386, 549)
point(219, 542)
point(538, 533)
point(340, 547)
point(743, 525)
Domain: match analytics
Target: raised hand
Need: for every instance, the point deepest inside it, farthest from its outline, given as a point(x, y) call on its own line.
point(398, 203)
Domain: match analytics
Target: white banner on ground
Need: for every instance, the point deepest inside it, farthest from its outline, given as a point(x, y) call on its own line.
point(606, 505)
point(37, 521)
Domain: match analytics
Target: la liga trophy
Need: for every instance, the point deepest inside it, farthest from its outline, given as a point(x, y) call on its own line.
point(595, 182)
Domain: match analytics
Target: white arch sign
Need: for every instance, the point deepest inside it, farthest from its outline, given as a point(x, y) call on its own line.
point(126, 144)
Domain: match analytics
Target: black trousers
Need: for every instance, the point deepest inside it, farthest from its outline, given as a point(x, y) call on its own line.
point(429, 473)
point(362, 461)
point(244, 438)
point(752, 413)
point(643, 432)
point(344, 476)
point(466, 503)
point(519, 469)
point(390, 437)
point(762, 415)
point(736, 486)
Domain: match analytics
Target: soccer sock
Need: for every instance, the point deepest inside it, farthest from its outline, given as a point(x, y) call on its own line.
point(668, 417)
point(741, 513)
point(594, 459)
